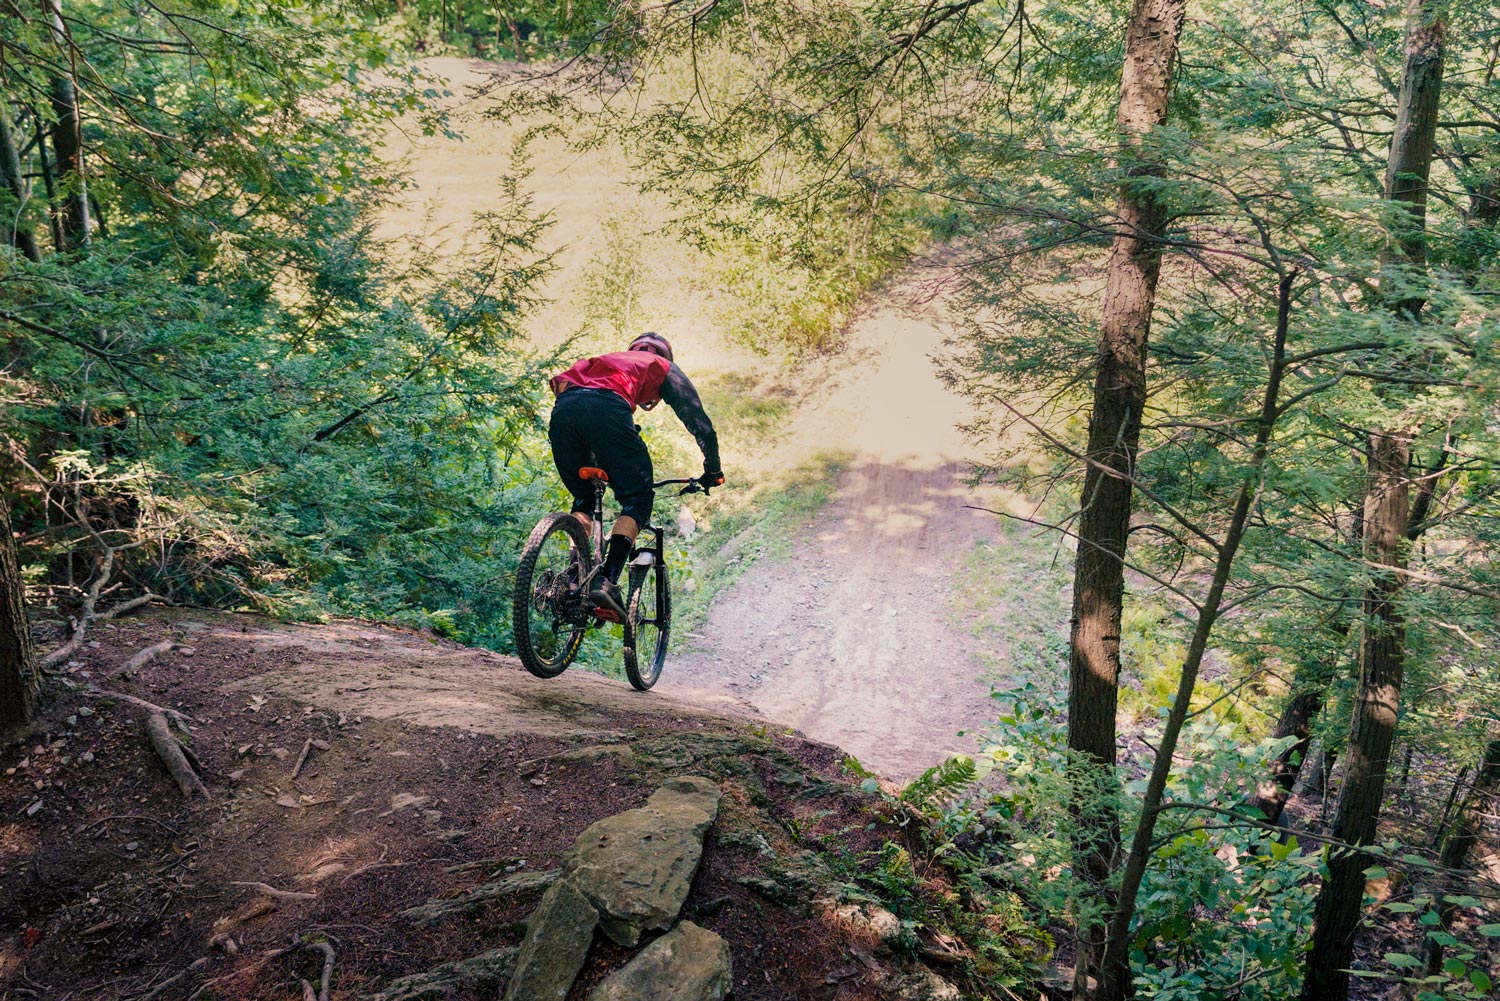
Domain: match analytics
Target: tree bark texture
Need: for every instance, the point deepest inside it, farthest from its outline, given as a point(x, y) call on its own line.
point(20, 680)
point(1115, 425)
point(1412, 143)
point(17, 233)
point(1377, 703)
point(1460, 840)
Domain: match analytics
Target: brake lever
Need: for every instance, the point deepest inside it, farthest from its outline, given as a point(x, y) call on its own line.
point(692, 488)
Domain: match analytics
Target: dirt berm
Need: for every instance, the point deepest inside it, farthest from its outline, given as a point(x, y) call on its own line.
point(378, 801)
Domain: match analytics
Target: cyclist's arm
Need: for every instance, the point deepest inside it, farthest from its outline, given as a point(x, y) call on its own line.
point(679, 394)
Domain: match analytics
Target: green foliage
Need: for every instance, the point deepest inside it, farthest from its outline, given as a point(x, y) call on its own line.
point(1015, 604)
point(1224, 912)
point(239, 393)
point(934, 789)
point(524, 30)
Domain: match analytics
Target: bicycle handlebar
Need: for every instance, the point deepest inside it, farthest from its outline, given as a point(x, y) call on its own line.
point(693, 486)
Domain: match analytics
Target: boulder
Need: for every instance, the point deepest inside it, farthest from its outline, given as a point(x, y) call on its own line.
point(636, 867)
point(688, 963)
point(558, 935)
point(924, 985)
point(871, 920)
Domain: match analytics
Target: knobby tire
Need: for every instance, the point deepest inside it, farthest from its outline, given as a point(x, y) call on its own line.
point(646, 641)
point(531, 643)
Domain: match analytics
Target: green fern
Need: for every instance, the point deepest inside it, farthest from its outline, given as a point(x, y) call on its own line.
point(935, 788)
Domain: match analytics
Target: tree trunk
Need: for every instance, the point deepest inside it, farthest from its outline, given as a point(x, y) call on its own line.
point(1367, 760)
point(17, 232)
point(1309, 691)
point(1311, 681)
point(20, 681)
point(1325, 760)
point(1412, 143)
point(1462, 837)
point(1387, 522)
point(1114, 972)
point(54, 211)
point(67, 143)
point(1114, 431)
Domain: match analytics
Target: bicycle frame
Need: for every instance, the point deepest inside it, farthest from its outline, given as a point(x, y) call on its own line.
point(656, 548)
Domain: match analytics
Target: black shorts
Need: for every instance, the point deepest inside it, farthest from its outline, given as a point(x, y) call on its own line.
point(596, 427)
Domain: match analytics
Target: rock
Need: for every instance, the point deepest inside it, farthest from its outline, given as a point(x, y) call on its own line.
point(558, 935)
point(686, 964)
point(477, 972)
point(636, 867)
point(872, 920)
point(924, 985)
point(405, 801)
point(475, 899)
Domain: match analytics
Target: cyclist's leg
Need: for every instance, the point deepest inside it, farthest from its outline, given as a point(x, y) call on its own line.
point(568, 433)
point(618, 448)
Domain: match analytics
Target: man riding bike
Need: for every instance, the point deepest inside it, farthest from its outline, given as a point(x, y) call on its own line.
point(593, 425)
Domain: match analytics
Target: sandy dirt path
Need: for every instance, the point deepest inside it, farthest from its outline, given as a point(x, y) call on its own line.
point(854, 639)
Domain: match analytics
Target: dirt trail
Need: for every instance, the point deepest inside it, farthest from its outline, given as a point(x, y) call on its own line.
point(853, 640)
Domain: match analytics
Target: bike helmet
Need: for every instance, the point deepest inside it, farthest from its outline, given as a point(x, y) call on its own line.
point(655, 343)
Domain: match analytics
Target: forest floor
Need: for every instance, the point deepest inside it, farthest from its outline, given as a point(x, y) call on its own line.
point(430, 769)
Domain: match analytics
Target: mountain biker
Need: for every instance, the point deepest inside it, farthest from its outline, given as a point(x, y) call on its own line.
point(593, 424)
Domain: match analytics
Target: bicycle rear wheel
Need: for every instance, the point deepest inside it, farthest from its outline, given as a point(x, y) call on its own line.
point(548, 611)
point(648, 625)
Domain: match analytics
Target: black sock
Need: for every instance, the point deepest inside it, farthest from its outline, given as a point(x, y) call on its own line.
point(619, 552)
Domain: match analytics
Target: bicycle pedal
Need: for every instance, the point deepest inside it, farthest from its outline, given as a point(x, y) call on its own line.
point(606, 615)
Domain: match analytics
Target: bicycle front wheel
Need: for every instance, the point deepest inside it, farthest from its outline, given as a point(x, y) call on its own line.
point(548, 611)
point(648, 624)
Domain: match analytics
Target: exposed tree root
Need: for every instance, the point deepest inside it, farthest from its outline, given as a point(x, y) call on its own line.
point(141, 658)
point(174, 980)
point(175, 756)
point(327, 951)
point(267, 890)
point(181, 719)
point(262, 961)
point(477, 973)
point(436, 910)
point(297, 943)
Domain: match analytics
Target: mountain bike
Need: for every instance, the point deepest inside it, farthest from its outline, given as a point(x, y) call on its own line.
point(551, 610)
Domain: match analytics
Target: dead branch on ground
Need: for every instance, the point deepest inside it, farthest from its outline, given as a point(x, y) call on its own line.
point(142, 658)
point(266, 889)
point(175, 756)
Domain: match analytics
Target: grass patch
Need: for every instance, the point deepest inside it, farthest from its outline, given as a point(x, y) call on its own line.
point(742, 530)
point(1016, 604)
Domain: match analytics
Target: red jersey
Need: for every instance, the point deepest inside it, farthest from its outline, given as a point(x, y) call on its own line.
point(636, 376)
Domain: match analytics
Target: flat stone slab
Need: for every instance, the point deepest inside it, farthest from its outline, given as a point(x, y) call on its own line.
point(688, 963)
point(636, 867)
point(558, 935)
